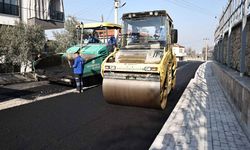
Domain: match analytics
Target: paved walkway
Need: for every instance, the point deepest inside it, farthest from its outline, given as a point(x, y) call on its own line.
point(202, 119)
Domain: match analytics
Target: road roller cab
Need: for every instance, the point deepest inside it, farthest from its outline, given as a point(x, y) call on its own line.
point(142, 71)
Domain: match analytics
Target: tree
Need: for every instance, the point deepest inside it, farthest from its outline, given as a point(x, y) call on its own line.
point(68, 37)
point(4, 40)
point(191, 53)
point(51, 46)
point(20, 43)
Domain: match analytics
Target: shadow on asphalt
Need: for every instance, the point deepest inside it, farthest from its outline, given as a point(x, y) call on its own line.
point(92, 80)
point(87, 81)
point(44, 90)
point(188, 114)
point(86, 121)
point(8, 94)
point(54, 87)
point(31, 93)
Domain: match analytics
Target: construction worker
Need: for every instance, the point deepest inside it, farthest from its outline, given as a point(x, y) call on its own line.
point(93, 39)
point(112, 41)
point(78, 70)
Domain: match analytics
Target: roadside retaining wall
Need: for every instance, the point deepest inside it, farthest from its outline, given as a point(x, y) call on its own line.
point(223, 51)
point(237, 89)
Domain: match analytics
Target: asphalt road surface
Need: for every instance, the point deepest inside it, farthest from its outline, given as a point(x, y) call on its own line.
point(86, 121)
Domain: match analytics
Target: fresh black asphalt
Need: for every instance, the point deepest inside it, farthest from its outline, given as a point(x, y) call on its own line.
point(86, 121)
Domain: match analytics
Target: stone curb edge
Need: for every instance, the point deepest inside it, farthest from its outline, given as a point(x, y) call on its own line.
point(159, 138)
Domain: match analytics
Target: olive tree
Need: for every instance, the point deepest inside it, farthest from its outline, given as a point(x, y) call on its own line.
point(67, 37)
point(19, 43)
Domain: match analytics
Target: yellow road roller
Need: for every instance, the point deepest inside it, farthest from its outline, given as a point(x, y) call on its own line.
point(142, 71)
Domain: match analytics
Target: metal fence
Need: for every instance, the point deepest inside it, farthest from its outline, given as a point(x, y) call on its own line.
point(232, 37)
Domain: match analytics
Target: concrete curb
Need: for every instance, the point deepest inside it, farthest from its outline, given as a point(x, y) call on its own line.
point(158, 142)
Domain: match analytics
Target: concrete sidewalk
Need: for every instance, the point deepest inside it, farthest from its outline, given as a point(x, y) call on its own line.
point(202, 119)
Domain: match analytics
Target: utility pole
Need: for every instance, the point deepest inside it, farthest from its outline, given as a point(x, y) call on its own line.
point(206, 50)
point(116, 4)
point(102, 18)
point(81, 27)
point(77, 33)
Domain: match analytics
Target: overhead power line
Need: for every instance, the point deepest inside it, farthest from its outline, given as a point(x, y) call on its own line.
point(192, 7)
point(88, 19)
point(196, 6)
point(87, 11)
point(110, 13)
point(87, 8)
point(98, 7)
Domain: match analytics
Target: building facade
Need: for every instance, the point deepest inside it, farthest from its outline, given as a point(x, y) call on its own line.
point(179, 52)
point(47, 13)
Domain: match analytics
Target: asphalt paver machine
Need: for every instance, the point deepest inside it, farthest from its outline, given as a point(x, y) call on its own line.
point(57, 68)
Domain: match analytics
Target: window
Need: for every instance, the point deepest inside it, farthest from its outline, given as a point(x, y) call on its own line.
point(9, 7)
point(1, 6)
point(146, 33)
point(7, 1)
point(55, 13)
point(14, 2)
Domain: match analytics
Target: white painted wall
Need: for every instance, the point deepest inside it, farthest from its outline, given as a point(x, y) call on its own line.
point(179, 52)
point(28, 67)
point(2, 59)
point(8, 19)
point(31, 9)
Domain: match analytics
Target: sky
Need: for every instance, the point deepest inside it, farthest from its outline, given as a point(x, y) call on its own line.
point(194, 19)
